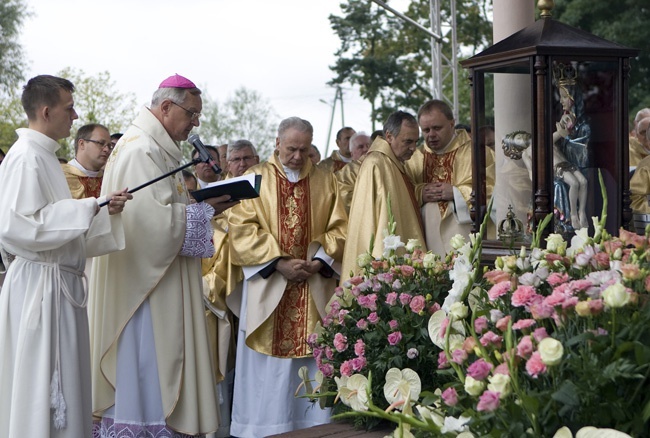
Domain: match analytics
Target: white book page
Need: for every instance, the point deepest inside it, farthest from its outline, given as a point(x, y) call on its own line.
point(250, 177)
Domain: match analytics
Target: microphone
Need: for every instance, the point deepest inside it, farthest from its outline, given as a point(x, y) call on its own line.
point(204, 154)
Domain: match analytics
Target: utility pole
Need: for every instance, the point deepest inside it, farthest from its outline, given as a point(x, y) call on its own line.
point(338, 96)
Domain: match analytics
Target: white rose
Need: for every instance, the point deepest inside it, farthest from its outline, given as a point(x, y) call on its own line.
point(458, 310)
point(551, 351)
point(555, 243)
point(457, 241)
point(499, 383)
point(429, 260)
point(413, 244)
point(616, 296)
point(364, 260)
point(474, 387)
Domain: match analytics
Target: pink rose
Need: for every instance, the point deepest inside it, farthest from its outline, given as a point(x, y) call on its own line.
point(391, 298)
point(412, 353)
point(535, 366)
point(480, 324)
point(373, 318)
point(539, 334)
point(362, 324)
point(442, 360)
point(329, 353)
point(523, 296)
point(407, 270)
point(393, 324)
point(394, 338)
point(488, 401)
point(502, 369)
point(359, 347)
point(443, 327)
point(404, 298)
point(346, 368)
point(499, 289)
point(479, 370)
point(417, 303)
point(356, 280)
point(491, 338)
point(459, 356)
point(596, 306)
point(340, 342)
point(327, 369)
point(525, 347)
point(502, 324)
point(556, 278)
point(435, 307)
point(359, 363)
point(339, 291)
point(450, 397)
point(397, 284)
point(523, 324)
point(311, 339)
point(342, 314)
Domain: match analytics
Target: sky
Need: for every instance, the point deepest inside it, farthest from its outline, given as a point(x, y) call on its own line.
point(280, 48)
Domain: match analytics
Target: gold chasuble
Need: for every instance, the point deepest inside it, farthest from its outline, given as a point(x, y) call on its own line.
point(346, 178)
point(333, 163)
point(381, 174)
point(81, 185)
point(453, 165)
point(289, 219)
point(637, 152)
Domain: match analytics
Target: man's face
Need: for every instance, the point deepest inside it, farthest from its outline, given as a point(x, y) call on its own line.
point(343, 142)
point(241, 160)
point(223, 155)
point(293, 148)
point(181, 118)
point(436, 129)
point(360, 146)
point(204, 171)
point(95, 150)
point(61, 116)
point(642, 131)
point(404, 143)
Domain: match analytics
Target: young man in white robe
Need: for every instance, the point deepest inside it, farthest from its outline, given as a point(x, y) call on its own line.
point(45, 237)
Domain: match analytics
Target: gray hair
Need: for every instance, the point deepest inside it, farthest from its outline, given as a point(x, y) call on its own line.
point(394, 122)
point(641, 114)
point(300, 125)
point(176, 95)
point(355, 136)
point(238, 146)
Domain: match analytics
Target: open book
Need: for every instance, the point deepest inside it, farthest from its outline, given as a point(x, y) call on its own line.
point(241, 187)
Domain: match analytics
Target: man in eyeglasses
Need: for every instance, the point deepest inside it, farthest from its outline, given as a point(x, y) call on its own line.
point(92, 147)
point(152, 371)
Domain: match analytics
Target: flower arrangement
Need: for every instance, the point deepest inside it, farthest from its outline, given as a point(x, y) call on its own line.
point(549, 342)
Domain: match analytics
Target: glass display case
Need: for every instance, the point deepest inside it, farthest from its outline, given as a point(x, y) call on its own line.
point(556, 99)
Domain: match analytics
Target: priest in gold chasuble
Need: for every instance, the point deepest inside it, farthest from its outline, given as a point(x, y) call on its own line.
point(383, 175)
point(288, 242)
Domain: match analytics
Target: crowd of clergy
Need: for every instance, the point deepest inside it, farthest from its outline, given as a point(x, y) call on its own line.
point(152, 314)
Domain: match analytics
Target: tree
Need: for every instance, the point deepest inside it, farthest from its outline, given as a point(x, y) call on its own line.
point(245, 115)
point(390, 60)
point(12, 63)
point(97, 100)
point(624, 22)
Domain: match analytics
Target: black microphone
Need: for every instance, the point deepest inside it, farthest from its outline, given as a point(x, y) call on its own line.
point(204, 154)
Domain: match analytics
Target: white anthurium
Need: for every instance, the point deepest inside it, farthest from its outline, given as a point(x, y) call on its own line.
point(590, 432)
point(456, 337)
point(355, 392)
point(429, 414)
point(402, 386)
point(453, 424)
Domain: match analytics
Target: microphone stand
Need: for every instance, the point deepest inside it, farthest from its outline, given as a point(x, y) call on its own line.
point(163, 176)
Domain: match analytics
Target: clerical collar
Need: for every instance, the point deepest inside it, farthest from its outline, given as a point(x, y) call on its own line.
point(91, 173)
point(292, 175)
point(345, 159)
point(446, 148)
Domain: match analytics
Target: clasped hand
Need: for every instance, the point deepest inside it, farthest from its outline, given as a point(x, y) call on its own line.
point(436, 192)
point(298, 269)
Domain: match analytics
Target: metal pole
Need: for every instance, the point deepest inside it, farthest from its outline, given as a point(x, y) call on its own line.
point(436, 52)
point(409, 20)
point(340, 95)
point(454, 59)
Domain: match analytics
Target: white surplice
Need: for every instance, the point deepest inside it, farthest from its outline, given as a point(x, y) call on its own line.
point(44, 344)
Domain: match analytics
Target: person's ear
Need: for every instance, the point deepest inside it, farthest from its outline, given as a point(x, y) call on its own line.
point(165, 106)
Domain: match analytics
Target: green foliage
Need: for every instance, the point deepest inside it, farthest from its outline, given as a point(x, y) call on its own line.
point(390, 60)
point(97, 100)
point(624, 22)
point(244, 115)
point(12, 63)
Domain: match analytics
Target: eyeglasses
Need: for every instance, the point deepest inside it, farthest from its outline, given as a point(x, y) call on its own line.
point(103, 144)
point(193, 115)
point(240, 159)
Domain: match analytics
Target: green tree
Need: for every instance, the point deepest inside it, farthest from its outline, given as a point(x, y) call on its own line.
point(390, 60)
point(12, 62)
point(624, 22)
point(244, 115)
point(97, 100)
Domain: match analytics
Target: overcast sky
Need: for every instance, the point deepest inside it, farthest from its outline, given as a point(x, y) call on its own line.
point(281, 48)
